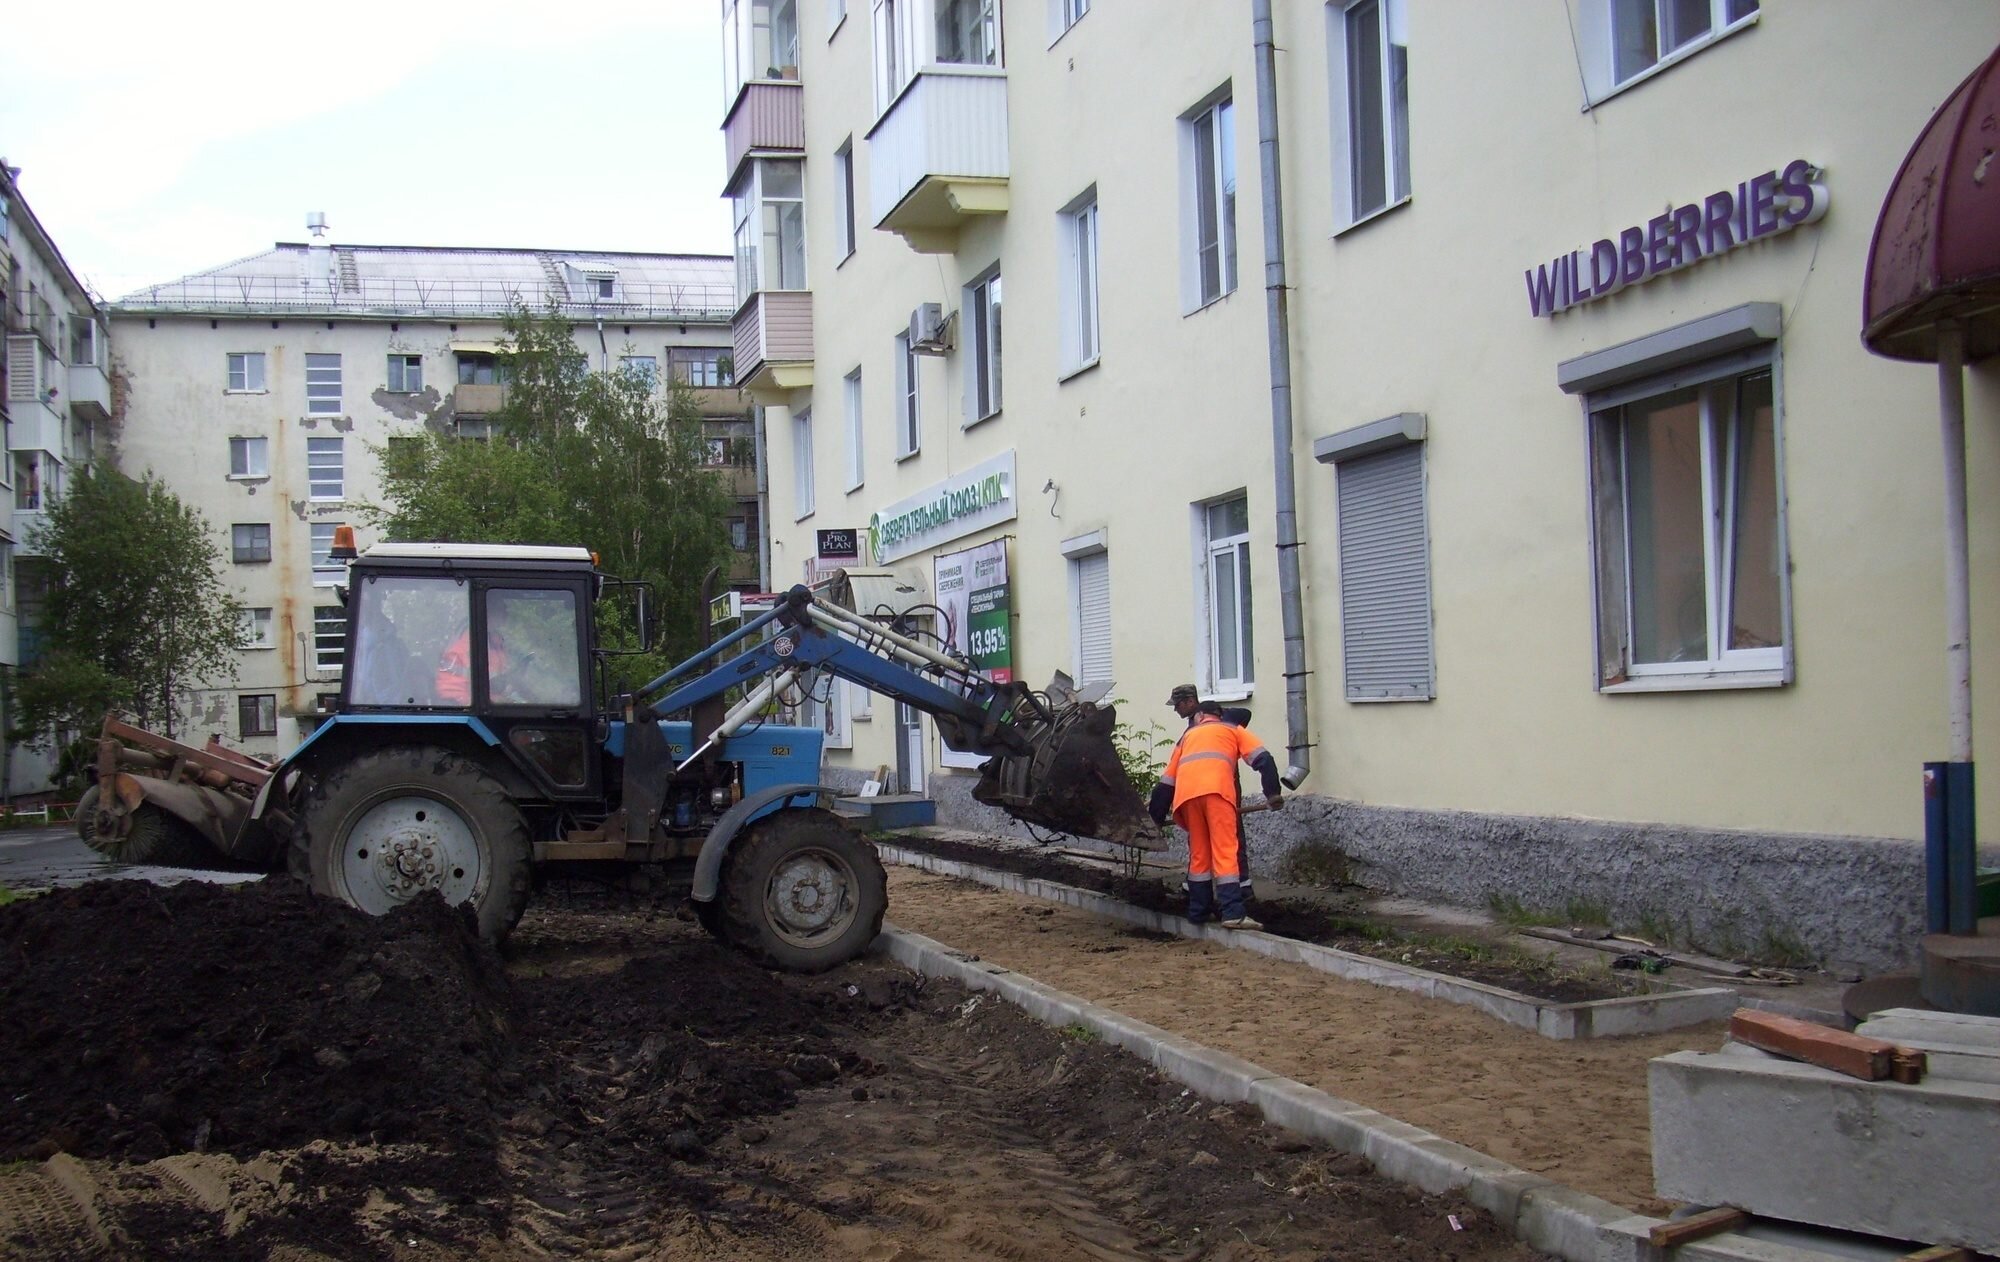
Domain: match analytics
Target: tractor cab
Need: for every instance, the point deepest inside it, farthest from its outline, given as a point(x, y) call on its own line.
point(492, 637)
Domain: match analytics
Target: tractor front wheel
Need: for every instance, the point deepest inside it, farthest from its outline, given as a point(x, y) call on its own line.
point(390, 825)
point(803, 892)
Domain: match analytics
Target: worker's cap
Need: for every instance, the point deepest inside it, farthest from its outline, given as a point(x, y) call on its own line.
point(1183, 692)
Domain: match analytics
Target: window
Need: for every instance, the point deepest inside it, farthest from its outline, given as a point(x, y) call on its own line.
point(329, 636)
point(760, 40)
point(257, 714)
point(739, 534)
point(323, 385)
point(704, 367)
point(250, 542)
point(1225, 527)
point(326, 460)
point(82, 340)
point(476, 429)
point(1370, 65)
point(802, 461)
point(6, 577)
point(1689, 538)
point(327, 572)
point(1064, 14)
point(404, 627)
point(1621, 42)
point(770, 215)
point(982, 369)
point(406, 374)
point(249, 458)
point(1385, 590)
point(1090, 613)
point(606, 286)
point(850, 395)
point(27, 481)
point(895, 50)
point(731, 444)
point(257, 629)
point(645, 367)
point(843, 176)
point(533, 651)
point(1208, 148)
point(968, 32)
point(476, 369)
point(1077, 255)
point(909, 430)
point(246, 372)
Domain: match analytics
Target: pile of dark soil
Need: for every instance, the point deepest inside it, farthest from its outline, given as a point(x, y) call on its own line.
point(233, 1018)
point(1300, 919)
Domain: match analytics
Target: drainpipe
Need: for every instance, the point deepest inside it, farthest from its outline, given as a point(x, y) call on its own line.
point(1278, 333)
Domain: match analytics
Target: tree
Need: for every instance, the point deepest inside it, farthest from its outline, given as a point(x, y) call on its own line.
point(137, 616)
point(613, 461)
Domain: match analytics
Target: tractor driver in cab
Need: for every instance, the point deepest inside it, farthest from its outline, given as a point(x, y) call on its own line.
point(454, 672)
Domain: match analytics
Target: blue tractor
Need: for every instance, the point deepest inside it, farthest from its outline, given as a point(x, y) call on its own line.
point(475, 749)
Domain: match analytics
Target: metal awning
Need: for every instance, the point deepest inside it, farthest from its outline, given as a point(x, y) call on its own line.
point(476, 348)
point(1935, 256)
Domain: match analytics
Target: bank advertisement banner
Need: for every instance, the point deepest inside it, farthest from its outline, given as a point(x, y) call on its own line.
point(973, 592)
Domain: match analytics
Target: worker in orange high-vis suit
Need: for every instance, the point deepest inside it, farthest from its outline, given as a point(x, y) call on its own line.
point(1199, 786)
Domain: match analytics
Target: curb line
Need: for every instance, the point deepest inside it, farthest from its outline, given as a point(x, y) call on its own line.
point(1545, 1214)
point(1598, 1018)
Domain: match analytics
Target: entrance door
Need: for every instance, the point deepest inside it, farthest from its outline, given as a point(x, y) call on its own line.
point(909, 748)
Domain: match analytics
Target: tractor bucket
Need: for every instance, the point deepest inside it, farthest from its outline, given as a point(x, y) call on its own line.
point(1071, 780)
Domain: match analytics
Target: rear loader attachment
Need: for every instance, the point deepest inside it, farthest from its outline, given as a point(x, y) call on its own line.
point(1071, 780)
point(159, 801)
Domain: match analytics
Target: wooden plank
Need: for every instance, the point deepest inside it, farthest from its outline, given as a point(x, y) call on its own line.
point(1870, 1060)
point(1625, 946)
point(1908, 1065)
point(1940, 1253)
point(1710, 1222)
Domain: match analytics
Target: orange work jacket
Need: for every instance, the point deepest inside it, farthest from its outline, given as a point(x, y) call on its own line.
point(1204, 761)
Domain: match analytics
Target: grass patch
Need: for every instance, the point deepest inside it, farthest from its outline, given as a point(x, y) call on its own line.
point(7, 896)
point(1515, 914)
point(1080, 1032)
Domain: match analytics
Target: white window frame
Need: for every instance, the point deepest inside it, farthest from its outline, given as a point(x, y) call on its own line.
point(249, 458)
point(1217, 682)
point(905, 41)
point(329, 638)
point(326, 469)
point(244, 373)
point(909, 400)
point(1064, 14)
point(843, 178)
point(802, 462)
point(1392, 32)
point(762, 220)
point(850, 393)
point(1080, 331)
point(1597, 26)
point(646, 366)
point(1208, 165)
point(1717, 384)
point(983, 302)
point(323, 384)
point(406, 373)
point(326, 571)
point(257, 628)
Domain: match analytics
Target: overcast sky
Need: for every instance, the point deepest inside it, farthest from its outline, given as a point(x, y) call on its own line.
point(158, 140)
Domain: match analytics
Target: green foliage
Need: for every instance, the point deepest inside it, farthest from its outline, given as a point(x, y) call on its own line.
point(1142, 751)
point(136, 613)
point(1080, 1032)
point(612, 461)
point(1515, 914)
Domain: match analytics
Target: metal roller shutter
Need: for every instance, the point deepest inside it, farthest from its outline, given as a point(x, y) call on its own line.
point(1093, 575)
point(1385, 587)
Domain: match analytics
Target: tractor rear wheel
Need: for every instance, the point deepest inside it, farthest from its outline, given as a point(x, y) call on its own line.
point(381, 830)
point(803, 892)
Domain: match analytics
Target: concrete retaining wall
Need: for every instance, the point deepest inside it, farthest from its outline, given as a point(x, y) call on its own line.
point(1843, 901)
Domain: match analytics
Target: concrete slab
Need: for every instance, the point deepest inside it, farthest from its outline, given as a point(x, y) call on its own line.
point(1955, 1045)
point(1671, 1007)
point(1792, 1141)
point(1547, 1215)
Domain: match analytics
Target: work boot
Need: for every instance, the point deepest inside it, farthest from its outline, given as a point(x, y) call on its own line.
point(1201, 900)
point(1229, 896)
point(1243, 922)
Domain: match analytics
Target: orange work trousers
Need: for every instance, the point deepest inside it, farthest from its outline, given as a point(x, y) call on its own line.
point(1210, 821)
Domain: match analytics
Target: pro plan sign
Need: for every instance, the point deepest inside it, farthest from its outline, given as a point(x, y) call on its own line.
point(839, 544)
point(982, 496)
point(1762, 206)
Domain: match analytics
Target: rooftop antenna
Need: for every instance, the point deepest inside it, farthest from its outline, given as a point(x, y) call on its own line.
point(316, 223)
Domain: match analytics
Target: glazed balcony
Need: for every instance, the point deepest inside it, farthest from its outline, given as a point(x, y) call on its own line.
point(774, 342)
point(938, 157)
point(768, 120)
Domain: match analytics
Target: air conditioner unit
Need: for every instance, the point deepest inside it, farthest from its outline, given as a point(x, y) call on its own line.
point(930, 330)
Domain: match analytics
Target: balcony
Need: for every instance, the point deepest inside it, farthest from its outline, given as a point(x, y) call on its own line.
point(28, 527)
point(724, 401)
point(774, 343)
point(89, 393)
point(767, 120)
point(939, 156)
point(477, 400)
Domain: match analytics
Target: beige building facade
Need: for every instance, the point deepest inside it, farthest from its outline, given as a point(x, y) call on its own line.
point(55, 397)
point(1620, 560)
point(262, 393)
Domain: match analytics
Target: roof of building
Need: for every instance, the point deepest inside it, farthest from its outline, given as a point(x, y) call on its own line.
point(22, 218)
point(402, 280)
